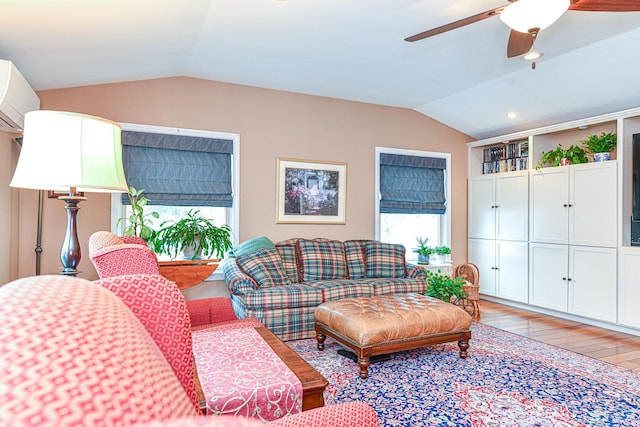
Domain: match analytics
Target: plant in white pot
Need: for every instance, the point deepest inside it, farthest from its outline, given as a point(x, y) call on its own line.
point(443, 253)
point(600, 145)
point(194, 235)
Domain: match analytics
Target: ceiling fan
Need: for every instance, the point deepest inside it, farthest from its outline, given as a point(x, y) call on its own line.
point(527, 18)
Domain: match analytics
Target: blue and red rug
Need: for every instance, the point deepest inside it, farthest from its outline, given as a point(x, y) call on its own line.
point(507, 380)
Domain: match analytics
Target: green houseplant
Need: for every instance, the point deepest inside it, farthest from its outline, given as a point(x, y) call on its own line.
point(603, 143)
point(139, 223)
point(443, 287)
point(423, 250)
point(442, 252)
point(195, 232)
point(574, 155)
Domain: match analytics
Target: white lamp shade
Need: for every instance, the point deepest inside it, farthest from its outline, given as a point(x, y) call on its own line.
point(62, 150)
point(524, 15)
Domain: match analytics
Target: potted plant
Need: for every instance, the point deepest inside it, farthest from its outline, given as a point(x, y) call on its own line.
point(194, 233)
point(442, 252)
point(600, 145)
point(561, 157)
point(139, 222)
point(443, 287)
point(423, 250)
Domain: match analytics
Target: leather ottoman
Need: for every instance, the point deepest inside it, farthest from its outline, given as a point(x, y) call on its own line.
point(385, 324)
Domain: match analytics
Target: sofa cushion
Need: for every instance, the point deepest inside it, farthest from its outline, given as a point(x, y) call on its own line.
point(345, 288)
point(381, 286)
point(321, 259)
point(294, 295)
point(265, 267)
point(385, 260)
point(355, 252)
point(253, 245)
point(287, 249)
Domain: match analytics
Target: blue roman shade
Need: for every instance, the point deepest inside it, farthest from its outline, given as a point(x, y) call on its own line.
point(178, 170)
point(412, 184)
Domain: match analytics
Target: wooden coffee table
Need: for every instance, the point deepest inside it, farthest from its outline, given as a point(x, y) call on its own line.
point(313, 383)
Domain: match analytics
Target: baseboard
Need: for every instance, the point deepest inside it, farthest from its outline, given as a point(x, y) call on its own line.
point(567, 316)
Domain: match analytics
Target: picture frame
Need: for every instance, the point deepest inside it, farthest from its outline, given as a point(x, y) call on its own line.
point(311, 192)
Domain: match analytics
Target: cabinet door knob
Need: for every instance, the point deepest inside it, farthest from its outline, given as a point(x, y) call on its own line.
point(565, 205)
point(569, 279)
point(564, 278)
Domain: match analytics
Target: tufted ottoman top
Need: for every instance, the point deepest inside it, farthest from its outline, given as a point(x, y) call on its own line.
point(384, 318)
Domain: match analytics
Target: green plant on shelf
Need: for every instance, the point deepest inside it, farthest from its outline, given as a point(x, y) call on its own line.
point(574, 154)
point(139, 224)
point(603, 143)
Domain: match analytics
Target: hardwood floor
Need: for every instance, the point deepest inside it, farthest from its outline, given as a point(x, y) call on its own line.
point(611, 346)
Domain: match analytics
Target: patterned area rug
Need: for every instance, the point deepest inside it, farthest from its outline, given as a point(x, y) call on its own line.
point(507, 380)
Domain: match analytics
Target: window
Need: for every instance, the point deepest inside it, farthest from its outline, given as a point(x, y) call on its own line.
point(412, 195)
point(176, 180)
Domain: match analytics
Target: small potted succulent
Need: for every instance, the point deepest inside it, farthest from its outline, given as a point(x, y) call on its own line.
point(194, 235)
point(561, 157)
point(423, 250)
point(600, 145)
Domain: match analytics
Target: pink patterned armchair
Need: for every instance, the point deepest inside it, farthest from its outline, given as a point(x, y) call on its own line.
point(123, 255)
point(73, 353)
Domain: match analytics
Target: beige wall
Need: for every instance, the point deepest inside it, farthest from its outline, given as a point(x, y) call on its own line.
point(8, 209)
point(271, 124)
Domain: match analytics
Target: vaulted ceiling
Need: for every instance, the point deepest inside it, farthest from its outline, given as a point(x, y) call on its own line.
point(347, 49)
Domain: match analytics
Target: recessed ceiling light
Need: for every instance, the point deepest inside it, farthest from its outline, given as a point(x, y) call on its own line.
point(512, 115)
point(532, 56)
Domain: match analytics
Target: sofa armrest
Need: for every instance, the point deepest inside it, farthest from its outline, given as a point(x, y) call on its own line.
point(125, 259)
point(210, 311)
point(415, 271)
point(238, 281)
point(134, 240)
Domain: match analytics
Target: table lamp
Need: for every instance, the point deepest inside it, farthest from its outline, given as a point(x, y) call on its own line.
point(70, 153)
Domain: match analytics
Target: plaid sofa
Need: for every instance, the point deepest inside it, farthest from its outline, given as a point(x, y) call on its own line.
point(282, 286)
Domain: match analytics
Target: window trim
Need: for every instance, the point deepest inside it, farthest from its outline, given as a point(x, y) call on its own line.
point(445, 226)
point(233, 220)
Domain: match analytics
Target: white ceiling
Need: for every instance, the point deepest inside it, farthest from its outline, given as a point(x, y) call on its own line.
point(347, 49)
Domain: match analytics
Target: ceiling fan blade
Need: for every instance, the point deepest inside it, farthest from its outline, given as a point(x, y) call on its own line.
point(519, 43)
point(606, 5)
point(457, 24)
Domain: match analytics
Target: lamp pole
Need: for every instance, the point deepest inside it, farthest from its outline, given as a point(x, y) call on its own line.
point(71, 252)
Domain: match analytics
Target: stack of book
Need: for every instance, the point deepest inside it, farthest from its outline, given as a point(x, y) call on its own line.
point(513, 156)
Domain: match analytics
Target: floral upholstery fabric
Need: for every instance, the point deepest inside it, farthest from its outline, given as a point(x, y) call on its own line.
point(265, 266)
point(385, 260)
point(241, 375)
point(73, 354)
point(321, 259)
point(163, 311)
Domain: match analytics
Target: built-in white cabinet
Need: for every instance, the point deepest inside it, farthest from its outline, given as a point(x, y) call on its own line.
point(579, 280)
point(574, 205)
point(503, 267)
point(629, 287)
point(498, 206)
point(576, 222)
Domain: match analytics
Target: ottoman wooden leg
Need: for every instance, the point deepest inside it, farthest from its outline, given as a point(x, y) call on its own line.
point(320, 337)
point(463, 344)
point(363, 363)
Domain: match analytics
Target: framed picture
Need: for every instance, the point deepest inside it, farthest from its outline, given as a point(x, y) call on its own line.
point(311, 192)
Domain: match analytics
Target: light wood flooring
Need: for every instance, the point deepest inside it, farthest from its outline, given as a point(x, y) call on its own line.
point(611, 346)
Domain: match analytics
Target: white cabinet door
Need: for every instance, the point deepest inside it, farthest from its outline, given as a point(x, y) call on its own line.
point(548, 274)
point(483, 254)
point(629, 288)
point(512, 202)
point(548, 204)
point(512, 278)
point(593, 204)
point(481, 209)
point(592, 282)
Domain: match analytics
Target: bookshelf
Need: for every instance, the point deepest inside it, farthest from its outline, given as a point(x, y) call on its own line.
point(509, 157)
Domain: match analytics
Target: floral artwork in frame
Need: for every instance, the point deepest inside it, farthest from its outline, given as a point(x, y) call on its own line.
point(311, 192)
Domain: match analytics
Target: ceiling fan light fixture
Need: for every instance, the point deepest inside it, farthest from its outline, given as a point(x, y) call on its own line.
point(532, 56)
point(524, 15)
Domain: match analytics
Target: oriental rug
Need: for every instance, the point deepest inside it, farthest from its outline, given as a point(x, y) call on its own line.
point(507, 380)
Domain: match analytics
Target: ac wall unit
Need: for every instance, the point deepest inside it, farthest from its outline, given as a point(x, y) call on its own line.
point(16, 98)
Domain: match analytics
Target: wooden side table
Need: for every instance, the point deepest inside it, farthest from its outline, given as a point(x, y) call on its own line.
point(187, 272)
